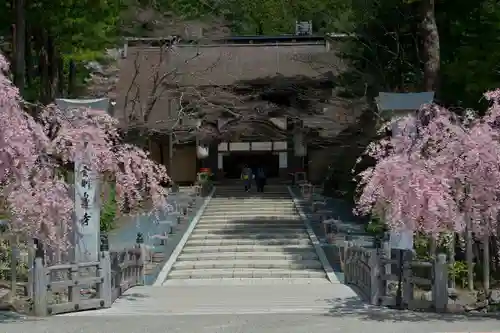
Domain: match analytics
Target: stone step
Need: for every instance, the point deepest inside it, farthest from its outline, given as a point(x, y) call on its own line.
point(235, 242)
point(244, 220)
point(244, 201)
point(243, 195)
point(269, 216)
point(291, 249)
point(306, 255)
point(246, 235)
point(230, 228)
point(250, 205)
point(250, 214)
point(241, 189)
point(232, 264)
point(245, 273)
point(255, 213)
point(226, 282)
point(239, 225)
point(260, 208)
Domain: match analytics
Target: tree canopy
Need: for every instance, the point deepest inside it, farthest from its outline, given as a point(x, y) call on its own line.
point(54, 40)
point(388, 51)
point(436, 171)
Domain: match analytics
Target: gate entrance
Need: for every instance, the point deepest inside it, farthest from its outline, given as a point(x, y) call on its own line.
point(235, 161)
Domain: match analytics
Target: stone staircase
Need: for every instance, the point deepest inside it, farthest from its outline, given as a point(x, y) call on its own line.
point(248, 236)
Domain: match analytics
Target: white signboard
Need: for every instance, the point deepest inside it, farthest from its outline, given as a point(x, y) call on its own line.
point(87, 205)
point(87, 214)
point(401, 240)
point(403, 101)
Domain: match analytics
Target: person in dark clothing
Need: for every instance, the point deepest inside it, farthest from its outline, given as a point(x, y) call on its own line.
point(246, 176)
point(260, 179)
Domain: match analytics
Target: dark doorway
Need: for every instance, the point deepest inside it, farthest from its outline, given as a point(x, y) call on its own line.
point(234, 162)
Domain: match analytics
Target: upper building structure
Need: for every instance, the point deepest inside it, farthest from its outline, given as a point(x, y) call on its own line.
point(255, 100)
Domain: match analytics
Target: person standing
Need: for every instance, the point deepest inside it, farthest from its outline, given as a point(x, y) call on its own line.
point(246, 176)
point(260, 179)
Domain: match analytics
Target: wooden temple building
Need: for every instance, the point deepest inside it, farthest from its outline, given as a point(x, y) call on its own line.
point(256, 100)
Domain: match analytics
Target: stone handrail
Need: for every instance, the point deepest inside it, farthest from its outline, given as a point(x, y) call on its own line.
point(85, 285)
point(361, 270)
point(127, 270)
point(369, 270)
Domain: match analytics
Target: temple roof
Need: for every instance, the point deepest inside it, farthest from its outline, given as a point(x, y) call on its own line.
point(220, 78)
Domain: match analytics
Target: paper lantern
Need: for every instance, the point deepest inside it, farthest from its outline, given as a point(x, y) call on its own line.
point(202, 152)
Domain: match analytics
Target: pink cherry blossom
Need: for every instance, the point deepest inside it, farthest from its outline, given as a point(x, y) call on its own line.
point(35, 156)
point(437, 172)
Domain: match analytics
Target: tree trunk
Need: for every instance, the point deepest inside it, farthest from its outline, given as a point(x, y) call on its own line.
point(60, 77)
point(71, 78)
point(486, 265)
point(28, 58)
point(43, 65)
point(53, 67)
point(469, 255)
point(19, 45)
point(430, 45)
point(452, 281)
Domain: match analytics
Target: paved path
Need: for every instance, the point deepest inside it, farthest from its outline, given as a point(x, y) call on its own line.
point(249, 297)
point(342, 319)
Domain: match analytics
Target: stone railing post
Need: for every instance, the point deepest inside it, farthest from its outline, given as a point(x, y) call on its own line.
point(408, 287)
point(387, 254)
point(31, 263)
point(346, 261)
point(386, 246)
point(106, 287)
point(440, 283)
point(140, 259)
point(105, 272)
point(39, 282)
point(376, 270)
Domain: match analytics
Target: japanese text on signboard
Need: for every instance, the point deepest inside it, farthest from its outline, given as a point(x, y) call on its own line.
point(85, 202)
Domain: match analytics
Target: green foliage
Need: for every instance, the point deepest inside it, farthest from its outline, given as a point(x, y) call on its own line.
point(5, 263)
point(386, 54)
point(108, 212)
point(383, 56)
point(82, 29)
point(77, 31)
point(266, 17)
point(469, 50)
point(376, 227)
point(204, 177)
point(422, 248)
point(458, 271)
